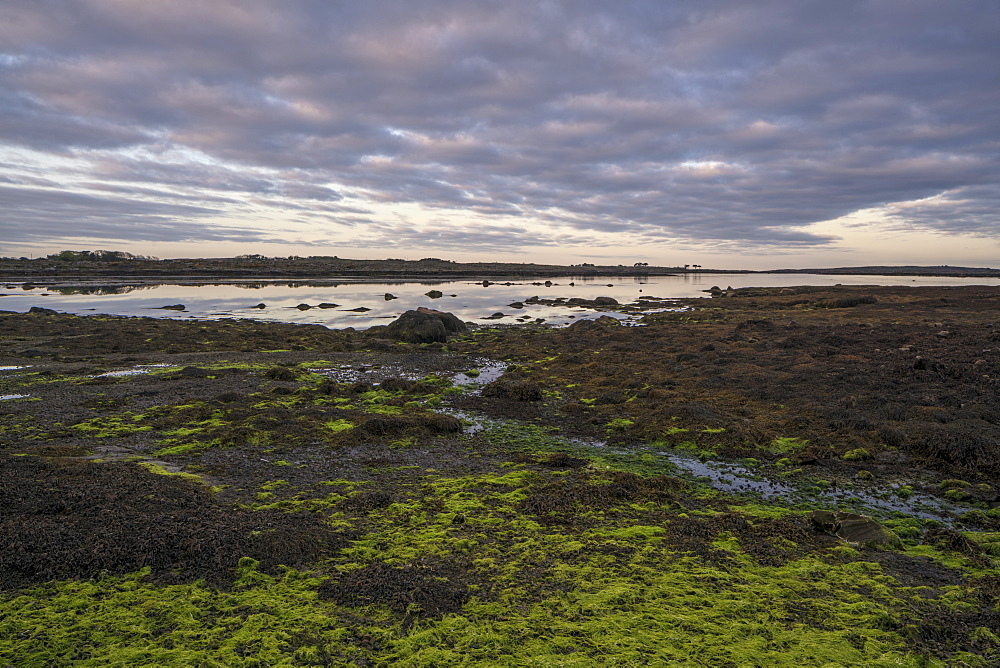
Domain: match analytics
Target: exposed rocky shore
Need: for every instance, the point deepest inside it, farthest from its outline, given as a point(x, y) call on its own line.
point(239, 492)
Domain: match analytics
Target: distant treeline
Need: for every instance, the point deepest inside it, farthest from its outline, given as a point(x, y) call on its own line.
point(96, 256)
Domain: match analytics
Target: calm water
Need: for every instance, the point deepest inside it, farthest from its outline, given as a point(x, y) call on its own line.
point(469, 300)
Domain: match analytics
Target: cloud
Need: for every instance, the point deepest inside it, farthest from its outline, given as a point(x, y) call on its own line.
point(720, 123)
point(47, 214)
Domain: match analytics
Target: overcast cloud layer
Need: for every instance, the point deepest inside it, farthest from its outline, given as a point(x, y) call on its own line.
point(488, 127)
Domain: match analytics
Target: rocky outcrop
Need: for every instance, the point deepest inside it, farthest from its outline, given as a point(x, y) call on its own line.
point(423, 325)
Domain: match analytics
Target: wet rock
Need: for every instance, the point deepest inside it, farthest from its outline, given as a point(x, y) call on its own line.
point(389, 297)
point(395, 384)
point(328, 305)
point(607, 321)
point(439, 423)
point(516, 305)
point(189, 372)
point(950, 540)
point(605, 301)
point(360, 309)
point(303, 307)
point(508, 388)
point(385, 425)
point(38, 310)
point(853, 528)
point(171, 307)
point(847, 302)
point(434, 294)
point(280, 373)
point(261, 305)
point(422, 325)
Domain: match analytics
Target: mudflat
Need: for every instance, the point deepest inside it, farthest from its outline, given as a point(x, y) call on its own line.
point(245, 493)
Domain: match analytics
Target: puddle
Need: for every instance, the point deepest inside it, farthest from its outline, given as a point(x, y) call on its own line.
point(135, 371)
point(373, 373)
point(729, 477)
point(5, 397)
point(489, 370)
point(13, 368)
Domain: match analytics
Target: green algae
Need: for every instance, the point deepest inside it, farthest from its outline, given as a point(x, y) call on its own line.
point(112, 426)
point(615, 594)
point(337, 426)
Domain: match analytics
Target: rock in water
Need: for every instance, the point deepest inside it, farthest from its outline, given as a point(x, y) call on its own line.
point(423, 325)
point(853, 528)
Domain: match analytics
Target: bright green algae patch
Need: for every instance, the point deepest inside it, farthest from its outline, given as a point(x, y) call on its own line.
point(603, 580)
point(656, 611)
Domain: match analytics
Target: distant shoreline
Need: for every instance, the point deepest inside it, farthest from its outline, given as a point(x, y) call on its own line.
point(333, 268)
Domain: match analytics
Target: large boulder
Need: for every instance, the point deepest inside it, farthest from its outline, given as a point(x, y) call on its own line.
point(853, 528)
point(423, 325)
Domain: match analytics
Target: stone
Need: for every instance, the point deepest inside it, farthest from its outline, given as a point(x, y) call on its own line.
point(423, 325)
point(854, 528)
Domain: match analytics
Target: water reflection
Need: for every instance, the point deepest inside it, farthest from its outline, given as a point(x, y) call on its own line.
point(488, 302)
point(99, 289)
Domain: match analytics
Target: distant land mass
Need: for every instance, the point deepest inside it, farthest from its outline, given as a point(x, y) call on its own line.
point(102, 263)
point(904, 270)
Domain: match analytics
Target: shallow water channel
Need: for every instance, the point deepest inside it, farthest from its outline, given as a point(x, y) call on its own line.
point(739, 478)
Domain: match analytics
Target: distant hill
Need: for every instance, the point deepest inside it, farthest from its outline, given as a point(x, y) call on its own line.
point(904, 270)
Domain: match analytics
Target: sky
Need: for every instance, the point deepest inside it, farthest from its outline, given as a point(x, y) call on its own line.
point(725, 133)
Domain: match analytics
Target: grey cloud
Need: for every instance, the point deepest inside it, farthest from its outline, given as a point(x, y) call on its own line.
point(972, 210)
point(41, 215)
point(691, 121)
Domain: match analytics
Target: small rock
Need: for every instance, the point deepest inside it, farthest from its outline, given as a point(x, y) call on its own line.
point(389, 296)
point(434, 294)
point(328, 305)
point(172, 307)
point(303, 307)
